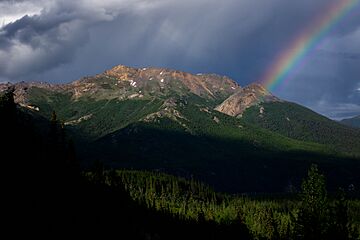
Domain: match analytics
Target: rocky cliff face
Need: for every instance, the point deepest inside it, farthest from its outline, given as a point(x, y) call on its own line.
point(244, 98)
point(161, 79)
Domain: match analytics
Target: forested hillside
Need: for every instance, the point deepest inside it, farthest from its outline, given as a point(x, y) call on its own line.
point(47, 194)
point(223, 153)
point(297, 122)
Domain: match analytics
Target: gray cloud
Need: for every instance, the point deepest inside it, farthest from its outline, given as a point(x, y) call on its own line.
point(11, 10)
point(34, 44)
point(63, 40)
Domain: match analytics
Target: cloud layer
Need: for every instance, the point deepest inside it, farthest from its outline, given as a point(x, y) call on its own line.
point(62, 40)
point(47, 37)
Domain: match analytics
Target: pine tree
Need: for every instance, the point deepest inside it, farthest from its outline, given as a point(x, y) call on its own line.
point(270, 224)
point(312, 220)
point(339, 219)
point(8, 114)
point(7, 99)
point(99, 176)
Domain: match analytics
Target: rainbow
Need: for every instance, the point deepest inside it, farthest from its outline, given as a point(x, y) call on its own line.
point(291, 59)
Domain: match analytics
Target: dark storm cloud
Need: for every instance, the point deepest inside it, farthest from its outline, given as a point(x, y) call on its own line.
point(64, 40)
point(37, 43)
point(34, 44)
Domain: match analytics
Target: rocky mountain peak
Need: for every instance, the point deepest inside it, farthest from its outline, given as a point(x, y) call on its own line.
point(155, 81)
point(246, 97)
point(123, 82)
point(257, 87)
point(121, 72)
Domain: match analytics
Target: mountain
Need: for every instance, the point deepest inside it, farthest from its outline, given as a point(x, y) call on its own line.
point(256, 106)
point(241, 100)
point(352, 122)
point(122, 95)
point(124, 83)
point(204, 126)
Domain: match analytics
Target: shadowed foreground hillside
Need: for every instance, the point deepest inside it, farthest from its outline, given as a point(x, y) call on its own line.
point(47, 194)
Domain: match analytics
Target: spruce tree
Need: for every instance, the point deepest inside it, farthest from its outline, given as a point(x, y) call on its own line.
point(339, 218)
point(312, 220)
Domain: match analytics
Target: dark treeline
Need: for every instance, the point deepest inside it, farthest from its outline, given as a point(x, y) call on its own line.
point(47, 195)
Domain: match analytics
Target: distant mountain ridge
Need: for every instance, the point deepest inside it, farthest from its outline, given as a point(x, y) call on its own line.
point(352, 122)
point(134, 83)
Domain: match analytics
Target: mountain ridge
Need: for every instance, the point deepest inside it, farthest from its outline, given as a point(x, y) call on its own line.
point(126, 83)
point(141, 80)
point(352, 122)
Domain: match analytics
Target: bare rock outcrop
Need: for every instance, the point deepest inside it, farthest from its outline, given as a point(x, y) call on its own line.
point(246, 97)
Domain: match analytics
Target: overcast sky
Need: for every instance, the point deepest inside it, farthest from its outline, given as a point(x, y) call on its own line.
point(63, 40)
